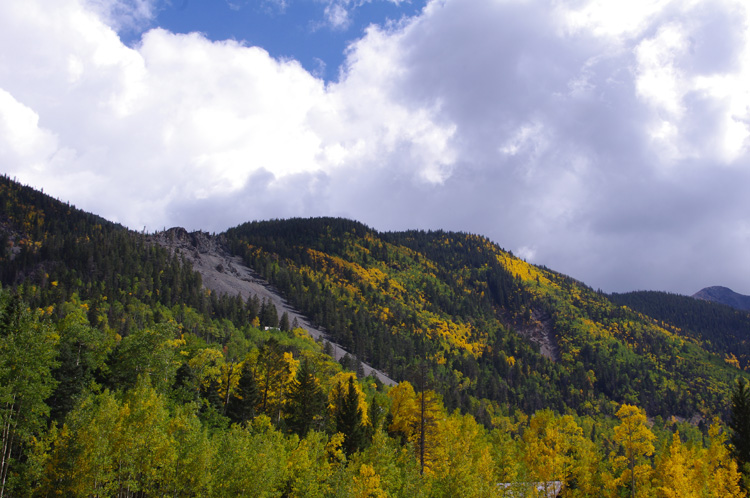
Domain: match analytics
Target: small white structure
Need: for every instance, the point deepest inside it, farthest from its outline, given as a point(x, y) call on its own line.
point(550, 489)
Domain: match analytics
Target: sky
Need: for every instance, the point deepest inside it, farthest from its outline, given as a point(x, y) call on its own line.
point(605, 140)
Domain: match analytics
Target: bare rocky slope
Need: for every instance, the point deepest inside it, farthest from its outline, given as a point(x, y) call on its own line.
point(224, 273)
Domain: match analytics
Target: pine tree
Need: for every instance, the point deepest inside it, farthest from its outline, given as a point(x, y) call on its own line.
point(271, 372)
point(305, 401)
point(185, 387)
point(269, 316)
point(349, 419)
point(740, 423)
point(252, 307)
point(241, 406)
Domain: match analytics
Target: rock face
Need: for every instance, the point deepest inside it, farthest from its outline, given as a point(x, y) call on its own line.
point(539, 331)
point(226, 274)
point(724, 295)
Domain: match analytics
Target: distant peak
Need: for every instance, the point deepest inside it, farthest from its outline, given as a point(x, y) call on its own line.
point(724, 295)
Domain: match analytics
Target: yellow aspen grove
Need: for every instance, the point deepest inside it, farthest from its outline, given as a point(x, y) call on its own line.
point(586, 472)
point(416, 417)
point(366, 484)
point(403, 408)
point(636, 441)
point(722, 477)
point(461, 464)
point(550, 442)
point(310, 467)
point(208, 365)
point(677, 471)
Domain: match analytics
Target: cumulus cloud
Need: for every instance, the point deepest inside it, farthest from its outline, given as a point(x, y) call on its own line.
point(124, 15)
point(610, 146)
point(338, 14)
point(181, 118)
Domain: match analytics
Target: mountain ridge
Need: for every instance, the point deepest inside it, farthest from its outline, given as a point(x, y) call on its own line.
point(724, 295)
point(485, 324)
point(472, 300)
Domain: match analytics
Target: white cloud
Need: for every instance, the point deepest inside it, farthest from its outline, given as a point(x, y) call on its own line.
point(337, 16)
point(180, 117)
point(659, 81)
point(24, 144)
point(614, 20)
point(604, 144)
point(125, 14)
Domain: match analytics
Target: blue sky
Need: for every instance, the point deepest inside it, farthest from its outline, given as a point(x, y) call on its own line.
point(609, 141)
point(304, 30)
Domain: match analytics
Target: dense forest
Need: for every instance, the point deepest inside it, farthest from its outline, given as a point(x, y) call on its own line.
point(120, 375)
point(462, 305)
point(716, 327)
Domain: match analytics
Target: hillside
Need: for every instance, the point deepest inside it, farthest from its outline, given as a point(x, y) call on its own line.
point(142, 365)
point(225, 274)
point(484, 323)
point(724, 295)
point(716, 327)
point(477, 316)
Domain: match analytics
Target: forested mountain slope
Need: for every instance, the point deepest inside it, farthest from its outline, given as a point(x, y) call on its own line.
point(717, 327)
point(121, 375)
point(462, 305)
point(225, 274)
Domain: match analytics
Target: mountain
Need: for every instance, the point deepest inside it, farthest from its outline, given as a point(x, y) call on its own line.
point(182, 364)
point(718, 328)
point(487, 324)
point(724, 295)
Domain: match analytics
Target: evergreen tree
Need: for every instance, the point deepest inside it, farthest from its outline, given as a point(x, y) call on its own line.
point(185, 387)
point(740, 423)
point(211, 394)
point(271, 371)
point(284, 322)
point(252, 307)
point(268, 316)
point(349, 419)
point(305, 401)
point(241, 406)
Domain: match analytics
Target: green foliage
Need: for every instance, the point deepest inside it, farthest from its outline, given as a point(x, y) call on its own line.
point(241, 406)
point(27, 355)
point(349, 418)
point(716, 327)
point(739, 422)
point(253, 461)
point(305, 402)
point(121, 376)
point(462, 303)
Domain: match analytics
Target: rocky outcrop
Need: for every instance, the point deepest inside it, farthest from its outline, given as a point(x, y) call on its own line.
point(540, 331)
point(224, 273)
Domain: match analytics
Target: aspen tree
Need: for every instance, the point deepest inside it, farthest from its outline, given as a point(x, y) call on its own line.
point(636, 441)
